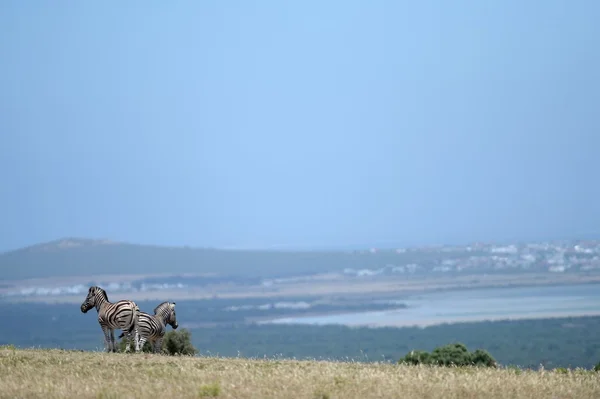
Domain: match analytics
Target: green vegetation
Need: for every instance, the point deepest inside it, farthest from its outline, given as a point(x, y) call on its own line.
point(455, 354)
point(175, 342)
point(179, 343)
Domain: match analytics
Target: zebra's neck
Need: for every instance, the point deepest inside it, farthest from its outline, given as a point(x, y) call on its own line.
point(162, 315)
point(100, 300)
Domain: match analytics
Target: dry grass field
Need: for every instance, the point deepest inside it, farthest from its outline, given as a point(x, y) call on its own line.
point(64, 374)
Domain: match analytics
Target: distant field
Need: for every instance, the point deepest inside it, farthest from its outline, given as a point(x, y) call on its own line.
point(62, 374)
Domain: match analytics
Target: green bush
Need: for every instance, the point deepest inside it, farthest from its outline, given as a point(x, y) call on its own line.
point(597, 368)
point(483, 358)
point(176, 342)
point(179, 342)
point(455, 354)
point(416, 357)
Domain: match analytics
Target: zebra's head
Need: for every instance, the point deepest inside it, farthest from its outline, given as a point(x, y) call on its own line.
point(166, 310)
point(171, 316)
point(172, 320)
point(91, 298)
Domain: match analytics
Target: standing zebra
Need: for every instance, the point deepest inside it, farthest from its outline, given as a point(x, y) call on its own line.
point(152, 328)
point(123, 315)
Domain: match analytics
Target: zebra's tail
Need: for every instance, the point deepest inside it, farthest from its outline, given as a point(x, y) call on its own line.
point(135, 325)
point(135, 316)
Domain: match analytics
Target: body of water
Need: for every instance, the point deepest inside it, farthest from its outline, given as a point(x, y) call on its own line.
point(473, 305)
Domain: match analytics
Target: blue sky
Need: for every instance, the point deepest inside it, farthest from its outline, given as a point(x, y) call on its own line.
point(307, 124)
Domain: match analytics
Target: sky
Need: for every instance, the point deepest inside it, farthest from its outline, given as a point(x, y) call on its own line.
point(305, 124)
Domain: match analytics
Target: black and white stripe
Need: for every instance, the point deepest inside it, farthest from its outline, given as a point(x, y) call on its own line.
point(123, 315)
point(152, 328)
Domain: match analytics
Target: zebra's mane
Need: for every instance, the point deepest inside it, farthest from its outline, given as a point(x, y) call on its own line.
point(102, 292)
point(160, 306)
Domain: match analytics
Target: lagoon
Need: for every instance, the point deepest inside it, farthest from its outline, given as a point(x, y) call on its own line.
point(472, 305)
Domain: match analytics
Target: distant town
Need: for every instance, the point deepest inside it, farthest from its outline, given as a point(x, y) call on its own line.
point(367, 270)
point(554, 257)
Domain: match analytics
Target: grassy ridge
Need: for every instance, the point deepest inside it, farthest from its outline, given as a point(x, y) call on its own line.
point(64, 374)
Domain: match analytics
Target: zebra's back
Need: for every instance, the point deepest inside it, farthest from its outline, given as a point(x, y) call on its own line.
point(150, 327)
point(118, 315)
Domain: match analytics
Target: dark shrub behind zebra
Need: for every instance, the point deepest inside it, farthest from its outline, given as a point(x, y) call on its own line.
point(152, 328)
point(123, 315)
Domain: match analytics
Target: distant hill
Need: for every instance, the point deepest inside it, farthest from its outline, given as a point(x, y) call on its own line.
point(77, 256)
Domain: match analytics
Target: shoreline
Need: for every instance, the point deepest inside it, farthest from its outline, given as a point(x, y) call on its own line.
point(382, 288)
point(435, 310)
point(431, 322)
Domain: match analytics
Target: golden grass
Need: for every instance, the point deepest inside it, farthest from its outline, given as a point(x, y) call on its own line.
point(64, 374)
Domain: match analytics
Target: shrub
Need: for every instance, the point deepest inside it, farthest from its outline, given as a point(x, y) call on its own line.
point(483, 358)
point(455, 354)
point(179, 342)
point(176, 342)
point(416, 357)
point(597, 368)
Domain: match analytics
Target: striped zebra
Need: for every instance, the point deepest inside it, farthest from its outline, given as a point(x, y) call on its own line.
point(123, 315)
point(153, 327)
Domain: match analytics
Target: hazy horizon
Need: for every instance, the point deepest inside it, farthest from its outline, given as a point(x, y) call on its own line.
point(299, 125)
point(592, 236)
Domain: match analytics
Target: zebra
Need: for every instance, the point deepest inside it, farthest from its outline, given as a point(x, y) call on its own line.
point(123, 315)
point(153, 327)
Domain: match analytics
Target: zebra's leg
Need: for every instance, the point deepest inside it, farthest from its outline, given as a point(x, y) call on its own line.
point(112, 340)
point(136, 324)
point(106, 332)
point(128, 340)
point(139, 341)
point(158, 345)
